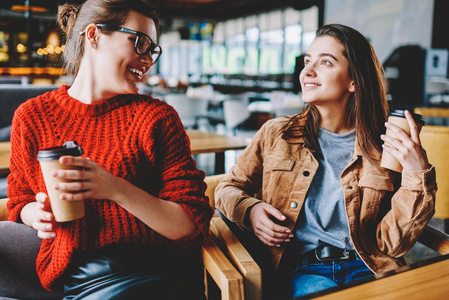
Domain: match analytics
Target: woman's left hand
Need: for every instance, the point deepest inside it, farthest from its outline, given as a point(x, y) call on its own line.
point(406, 149)
point(90, 180)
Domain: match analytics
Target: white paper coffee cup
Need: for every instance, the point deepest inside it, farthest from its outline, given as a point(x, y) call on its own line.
point(397, 117)
point(63, 211)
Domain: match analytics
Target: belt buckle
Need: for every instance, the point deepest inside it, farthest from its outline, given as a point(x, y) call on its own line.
point(345, 256)
point(317, 256)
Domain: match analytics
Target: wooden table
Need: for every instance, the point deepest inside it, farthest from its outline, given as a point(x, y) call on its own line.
point(208, 142)
point(423, 280)
point(200, 142)
point(5, 153)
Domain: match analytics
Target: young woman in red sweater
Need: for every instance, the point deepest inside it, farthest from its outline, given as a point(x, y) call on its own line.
point(146, 212)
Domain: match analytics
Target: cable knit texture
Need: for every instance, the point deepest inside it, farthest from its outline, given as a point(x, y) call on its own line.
point(136, 138)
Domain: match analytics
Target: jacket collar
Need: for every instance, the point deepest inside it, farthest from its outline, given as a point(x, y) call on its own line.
point(300, 140)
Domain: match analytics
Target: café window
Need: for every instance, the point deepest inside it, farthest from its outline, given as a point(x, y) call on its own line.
point(271, 52)
point(236, 55)
point(293, 39)
point(262, 44)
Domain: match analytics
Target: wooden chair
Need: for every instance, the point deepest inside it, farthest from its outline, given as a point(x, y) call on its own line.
point(216, 264)
point(233, 249)
point(434, 115)
point(432, 111)
point(435, 139)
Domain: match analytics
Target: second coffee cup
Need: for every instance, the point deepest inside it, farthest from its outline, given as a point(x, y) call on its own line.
point(397, 117)
point(63, 211)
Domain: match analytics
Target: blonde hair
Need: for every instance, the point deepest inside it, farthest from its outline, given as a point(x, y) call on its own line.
point(74, 19)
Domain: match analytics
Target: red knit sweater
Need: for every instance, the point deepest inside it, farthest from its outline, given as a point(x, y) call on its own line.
point(136, 138)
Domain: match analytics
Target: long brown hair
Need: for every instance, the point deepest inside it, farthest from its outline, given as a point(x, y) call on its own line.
point(367, 107)
point(74, 19)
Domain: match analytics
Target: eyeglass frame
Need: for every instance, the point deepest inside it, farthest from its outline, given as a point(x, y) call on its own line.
point(138, 34)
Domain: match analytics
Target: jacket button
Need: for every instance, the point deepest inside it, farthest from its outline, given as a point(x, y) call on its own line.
point(306, 173)
point(293, 205)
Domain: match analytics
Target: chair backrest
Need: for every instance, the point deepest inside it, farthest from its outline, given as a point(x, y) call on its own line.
point(432, 111)
point(435, 140)
point(235, 113)
point(212, 182)
point(189, 109)
point(12, 95)
point(3, 211)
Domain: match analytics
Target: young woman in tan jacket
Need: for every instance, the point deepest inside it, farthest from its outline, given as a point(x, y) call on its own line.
point(310, 187)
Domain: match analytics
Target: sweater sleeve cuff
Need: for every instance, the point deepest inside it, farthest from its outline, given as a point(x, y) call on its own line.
point(423, 180)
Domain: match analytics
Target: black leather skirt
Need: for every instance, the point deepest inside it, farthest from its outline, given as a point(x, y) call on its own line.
point(134, 272)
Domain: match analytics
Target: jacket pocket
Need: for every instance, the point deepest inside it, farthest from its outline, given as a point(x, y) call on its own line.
point(375, 192)
point(377, 182)
point(278, 178)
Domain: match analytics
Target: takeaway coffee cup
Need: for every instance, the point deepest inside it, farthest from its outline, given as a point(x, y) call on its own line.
point(49, 160)
point(397, 118)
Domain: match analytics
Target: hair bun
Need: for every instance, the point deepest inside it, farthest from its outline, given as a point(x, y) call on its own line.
point(67, 14)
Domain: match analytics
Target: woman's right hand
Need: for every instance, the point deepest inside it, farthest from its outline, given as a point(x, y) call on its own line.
point(39, 216)
point(265, 229)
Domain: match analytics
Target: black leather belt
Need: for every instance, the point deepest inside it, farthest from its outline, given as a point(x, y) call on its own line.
point(329, 253)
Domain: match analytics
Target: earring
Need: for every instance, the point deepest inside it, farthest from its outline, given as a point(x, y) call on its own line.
point(94, 45)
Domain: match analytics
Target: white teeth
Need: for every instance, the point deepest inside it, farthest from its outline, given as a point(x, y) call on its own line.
point(311, 84)
point(135, 71)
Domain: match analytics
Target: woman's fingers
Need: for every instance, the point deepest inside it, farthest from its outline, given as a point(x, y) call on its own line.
point(74, 186)
point(406, 148)
point(266, 230)
point(401, 135)
point(414, 131)
point(44, 222)
point(77, 196)
point(77, 161)
point(274, 212)
point(71, 174)
point(87, 180)
point(265, 238)
point(275, 230)
point(393, 143)
point(45, 235)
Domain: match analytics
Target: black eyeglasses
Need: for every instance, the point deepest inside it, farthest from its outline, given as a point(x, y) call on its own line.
point(143, 43)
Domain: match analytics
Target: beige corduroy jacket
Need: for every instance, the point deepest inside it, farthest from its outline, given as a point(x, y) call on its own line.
point(386, 213)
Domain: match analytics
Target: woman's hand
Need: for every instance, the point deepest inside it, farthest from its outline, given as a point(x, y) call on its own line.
point(265, 229)
point(406, 149)
point(39, 216)
point(89, 180)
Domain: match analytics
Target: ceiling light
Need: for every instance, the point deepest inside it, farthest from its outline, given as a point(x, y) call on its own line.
point(24, 8)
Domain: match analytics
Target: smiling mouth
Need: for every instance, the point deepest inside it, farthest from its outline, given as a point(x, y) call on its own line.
point(135, 71)
point(311, 84)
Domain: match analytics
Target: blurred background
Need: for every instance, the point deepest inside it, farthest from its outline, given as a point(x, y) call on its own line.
point(239, 46)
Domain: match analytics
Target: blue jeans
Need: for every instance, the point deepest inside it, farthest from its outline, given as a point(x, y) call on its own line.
point(310, 278)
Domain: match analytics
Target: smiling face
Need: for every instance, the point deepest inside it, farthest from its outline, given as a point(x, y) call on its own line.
point(325, 77)
point(118, 68)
